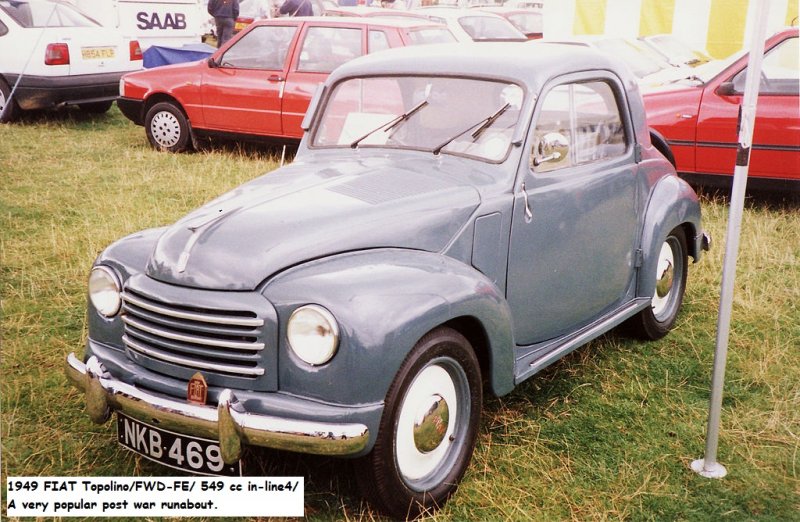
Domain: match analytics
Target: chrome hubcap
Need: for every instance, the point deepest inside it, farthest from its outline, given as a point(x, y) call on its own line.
point(426, 424)
point(664, 284)
point(431, 423)
point(665, 277)
point(166, 129)
point(2, 102)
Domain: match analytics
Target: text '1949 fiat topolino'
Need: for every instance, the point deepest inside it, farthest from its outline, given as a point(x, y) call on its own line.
point(456, 219)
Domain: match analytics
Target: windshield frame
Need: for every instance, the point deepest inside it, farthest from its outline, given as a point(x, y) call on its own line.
point(513, 142)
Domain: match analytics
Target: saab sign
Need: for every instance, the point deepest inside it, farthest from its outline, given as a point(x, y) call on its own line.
point(151, 20)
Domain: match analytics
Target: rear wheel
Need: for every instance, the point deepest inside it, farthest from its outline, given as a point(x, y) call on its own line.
point(671, 268)
point(95, 107)
point(167, 128)
point(428, 428)
point(9, 110)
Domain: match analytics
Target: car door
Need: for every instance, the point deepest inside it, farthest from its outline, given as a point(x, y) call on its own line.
point(776, 135)
point(243, 92)
point(322, 48)
point(575, 226)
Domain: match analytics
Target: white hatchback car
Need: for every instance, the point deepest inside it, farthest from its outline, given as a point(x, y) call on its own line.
point(54, 55)
point(471, 25)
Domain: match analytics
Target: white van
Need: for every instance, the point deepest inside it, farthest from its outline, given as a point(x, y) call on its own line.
point(151, 22)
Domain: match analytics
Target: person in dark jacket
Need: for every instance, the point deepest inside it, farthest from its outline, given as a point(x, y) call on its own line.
point(297, 8)
point(224, 13)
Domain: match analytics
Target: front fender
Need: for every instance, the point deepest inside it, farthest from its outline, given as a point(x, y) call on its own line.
point(385, 301)
point(672, 203)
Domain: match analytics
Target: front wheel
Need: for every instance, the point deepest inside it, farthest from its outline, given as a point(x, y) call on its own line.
point(671, 268)
point(167, 128)
point(428, 429)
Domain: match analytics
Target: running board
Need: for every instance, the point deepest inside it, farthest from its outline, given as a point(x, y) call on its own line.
point(533, 359)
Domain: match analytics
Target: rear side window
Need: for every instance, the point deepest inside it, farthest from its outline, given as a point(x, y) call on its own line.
point(263, 47)
point(45, 14)
point(3, 29)
point(378, 41)
point(326, 48)
point(586, 115)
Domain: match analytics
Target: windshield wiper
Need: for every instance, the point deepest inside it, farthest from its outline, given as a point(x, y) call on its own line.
point(482, 126)
point(386, 127)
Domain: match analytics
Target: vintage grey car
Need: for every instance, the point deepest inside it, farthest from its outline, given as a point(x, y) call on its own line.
point(456, 218)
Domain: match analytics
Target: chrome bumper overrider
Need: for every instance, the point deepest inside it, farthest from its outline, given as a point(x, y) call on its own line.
point(228, 422)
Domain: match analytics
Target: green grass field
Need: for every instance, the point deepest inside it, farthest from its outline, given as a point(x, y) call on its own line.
point(607, 433)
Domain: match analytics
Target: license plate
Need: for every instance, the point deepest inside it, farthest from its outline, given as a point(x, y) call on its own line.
point(97, 53)
point(200, 456)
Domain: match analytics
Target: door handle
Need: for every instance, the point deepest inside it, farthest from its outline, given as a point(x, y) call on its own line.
point(275, 78)
point(528, 213)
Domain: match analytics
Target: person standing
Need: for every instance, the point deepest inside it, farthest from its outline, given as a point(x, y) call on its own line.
point(297, 8)
point(225, 13)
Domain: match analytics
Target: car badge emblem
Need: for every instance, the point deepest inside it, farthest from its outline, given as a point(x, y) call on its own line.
point(197, 391)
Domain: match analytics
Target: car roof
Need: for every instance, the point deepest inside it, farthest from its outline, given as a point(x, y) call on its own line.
point(520, 61)
point(368, 10)
point(372, 21)
point(453, 12)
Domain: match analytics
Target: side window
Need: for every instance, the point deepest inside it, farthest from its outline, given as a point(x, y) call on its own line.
point(262, 48)
point(326, 48)
point(378, 41)
point(780, 70)
point(3, 29)
point(578, 123)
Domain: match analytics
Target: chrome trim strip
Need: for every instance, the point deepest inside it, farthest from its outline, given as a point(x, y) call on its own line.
point(205, 341)
point(203, 318)
point(192, 363)
point(229, 422)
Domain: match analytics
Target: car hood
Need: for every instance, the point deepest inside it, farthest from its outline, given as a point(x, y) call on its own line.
point(311, 210)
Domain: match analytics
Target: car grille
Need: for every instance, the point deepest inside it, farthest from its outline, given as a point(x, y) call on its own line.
point(222, 341)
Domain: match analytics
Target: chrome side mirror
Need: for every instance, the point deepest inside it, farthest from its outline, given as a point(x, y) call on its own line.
point(553, 146)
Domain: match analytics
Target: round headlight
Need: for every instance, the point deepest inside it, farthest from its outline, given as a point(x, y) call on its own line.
point(313, 334)
point(104, 291)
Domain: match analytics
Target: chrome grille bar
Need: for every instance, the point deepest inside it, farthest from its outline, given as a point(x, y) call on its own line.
point(205, 341)
point(191, 363)
point(191, 316)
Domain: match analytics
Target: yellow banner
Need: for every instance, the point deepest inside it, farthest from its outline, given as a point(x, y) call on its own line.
point(726, 27)
point(656, 17)
point(590, 17)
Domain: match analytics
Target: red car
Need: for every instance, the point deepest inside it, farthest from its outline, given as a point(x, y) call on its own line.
point(260, 83)
point(698, 118)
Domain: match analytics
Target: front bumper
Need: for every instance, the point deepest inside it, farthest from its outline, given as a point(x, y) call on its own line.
point(228, 422)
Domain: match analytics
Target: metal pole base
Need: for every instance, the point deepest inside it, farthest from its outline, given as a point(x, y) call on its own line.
point(715, 470)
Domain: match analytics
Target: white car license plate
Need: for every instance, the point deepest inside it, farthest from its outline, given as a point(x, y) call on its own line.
point(97, 53)
point(201, 456)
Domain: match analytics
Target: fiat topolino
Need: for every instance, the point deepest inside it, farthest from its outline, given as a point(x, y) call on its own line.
point(453, 217)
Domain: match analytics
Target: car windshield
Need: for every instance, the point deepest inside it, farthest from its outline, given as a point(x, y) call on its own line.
point(461, 116)
point(489, 28)
point(527, 22)
point(45, 14)
point(641, 62)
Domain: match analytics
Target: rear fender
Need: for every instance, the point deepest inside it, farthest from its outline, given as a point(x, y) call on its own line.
point(673, 203)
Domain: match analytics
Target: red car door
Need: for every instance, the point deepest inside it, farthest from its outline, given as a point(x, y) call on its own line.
point(242, 93)
point(322, 48)
point(776, 135)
